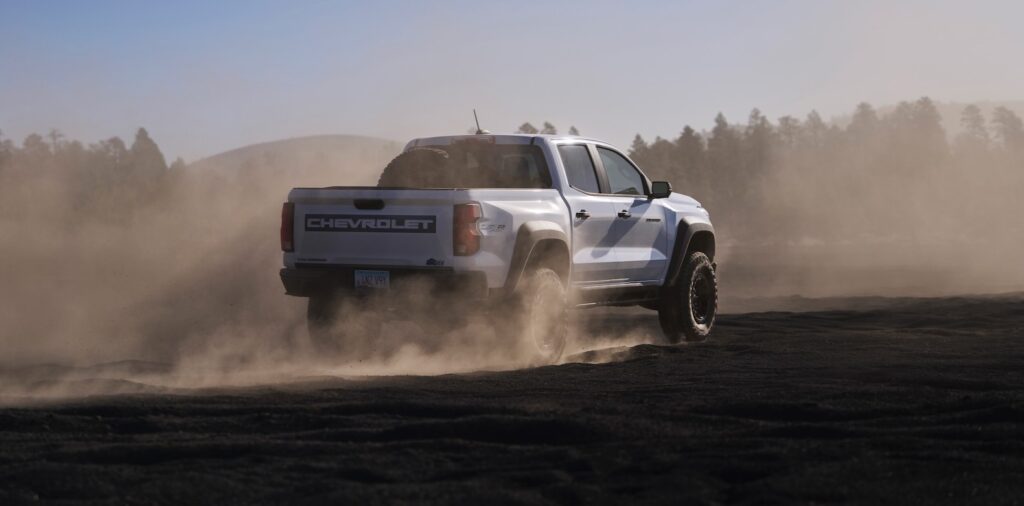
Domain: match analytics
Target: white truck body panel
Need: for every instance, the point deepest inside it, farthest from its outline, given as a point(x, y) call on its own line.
point(612, 239)
point(503, 212)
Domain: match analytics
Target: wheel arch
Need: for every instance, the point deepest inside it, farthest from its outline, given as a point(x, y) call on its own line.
point(690, 238)
point(538, 244)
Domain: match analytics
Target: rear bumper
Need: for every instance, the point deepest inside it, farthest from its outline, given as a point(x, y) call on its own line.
point(310, 280)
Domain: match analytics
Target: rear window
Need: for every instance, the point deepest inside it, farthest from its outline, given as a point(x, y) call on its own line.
point(468, 165)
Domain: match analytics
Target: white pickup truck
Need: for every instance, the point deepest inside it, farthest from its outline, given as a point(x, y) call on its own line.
point(520, 227)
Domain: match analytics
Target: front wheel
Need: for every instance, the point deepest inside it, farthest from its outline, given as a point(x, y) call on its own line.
point(687, 309)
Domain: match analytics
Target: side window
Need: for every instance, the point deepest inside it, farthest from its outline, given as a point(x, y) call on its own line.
point(579, 168)
point(623, 178)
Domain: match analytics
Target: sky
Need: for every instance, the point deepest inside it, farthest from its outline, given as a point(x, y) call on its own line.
point(205, 77)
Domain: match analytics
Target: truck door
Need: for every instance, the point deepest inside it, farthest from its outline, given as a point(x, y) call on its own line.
point(593, 215)
point(639, 228)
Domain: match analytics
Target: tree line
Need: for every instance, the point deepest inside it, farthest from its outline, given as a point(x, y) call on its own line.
point(824, 180)
point(807, 179)
point(726, 160)
point(102, 177)
point(546, 129)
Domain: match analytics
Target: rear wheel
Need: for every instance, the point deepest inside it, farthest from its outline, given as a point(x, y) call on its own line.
point(538, 317)
point(687, 309)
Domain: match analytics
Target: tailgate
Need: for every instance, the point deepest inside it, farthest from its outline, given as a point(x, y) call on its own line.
point(373, 227)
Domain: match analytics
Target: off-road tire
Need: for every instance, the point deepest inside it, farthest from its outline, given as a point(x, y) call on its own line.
point(688, 307)
point(537, 316)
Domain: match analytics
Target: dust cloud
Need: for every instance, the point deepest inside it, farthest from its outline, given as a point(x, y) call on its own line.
point(118, 283)
point(123, 285)
point(881, 203)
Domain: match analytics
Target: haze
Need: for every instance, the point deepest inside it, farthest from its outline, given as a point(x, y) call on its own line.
point(206, 77)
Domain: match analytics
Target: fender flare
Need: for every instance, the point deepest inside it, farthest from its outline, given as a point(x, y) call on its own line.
point(527, 237)
point(685, 233)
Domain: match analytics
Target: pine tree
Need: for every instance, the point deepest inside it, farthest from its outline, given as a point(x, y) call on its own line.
point(724, 163)
point(177, 166)
point(723, 147)
point(973, 123)
point(928, 124)
point(112, 156)
point(55, 139)
point(526, 128)
point(758, 139)
point(6, 150)
point(549, 129)
point(815, 131)
point(147, 160)
point(789, 131)
point(974, 136)
point(864, 124)
point(862, 140)
point(1009, 129)
point(36, 150)
point(659, 160)
point(573, 131)
point(638, 150)
point(690, 160)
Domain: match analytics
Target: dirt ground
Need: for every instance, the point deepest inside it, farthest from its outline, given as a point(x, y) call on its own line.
point(893, 401)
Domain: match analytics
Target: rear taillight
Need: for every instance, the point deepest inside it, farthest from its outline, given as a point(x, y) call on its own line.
point(288, 227)
point(465, 234)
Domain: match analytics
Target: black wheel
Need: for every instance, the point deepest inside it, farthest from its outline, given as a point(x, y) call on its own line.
point(687, 309)
point(341, 323)
point(538, 317)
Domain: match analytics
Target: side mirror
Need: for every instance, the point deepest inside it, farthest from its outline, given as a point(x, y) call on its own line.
point(661, 189)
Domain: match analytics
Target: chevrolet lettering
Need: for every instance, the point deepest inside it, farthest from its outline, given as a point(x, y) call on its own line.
point(357, 223)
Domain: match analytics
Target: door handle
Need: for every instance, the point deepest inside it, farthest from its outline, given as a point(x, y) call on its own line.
point(624, 214)
point(582, 214)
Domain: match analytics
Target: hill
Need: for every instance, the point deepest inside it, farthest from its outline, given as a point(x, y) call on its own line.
point(314, 160)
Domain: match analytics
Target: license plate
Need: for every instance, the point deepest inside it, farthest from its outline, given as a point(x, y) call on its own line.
point(373, 279)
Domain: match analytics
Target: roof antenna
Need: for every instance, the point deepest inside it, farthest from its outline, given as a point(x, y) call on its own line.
point(479, 131)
